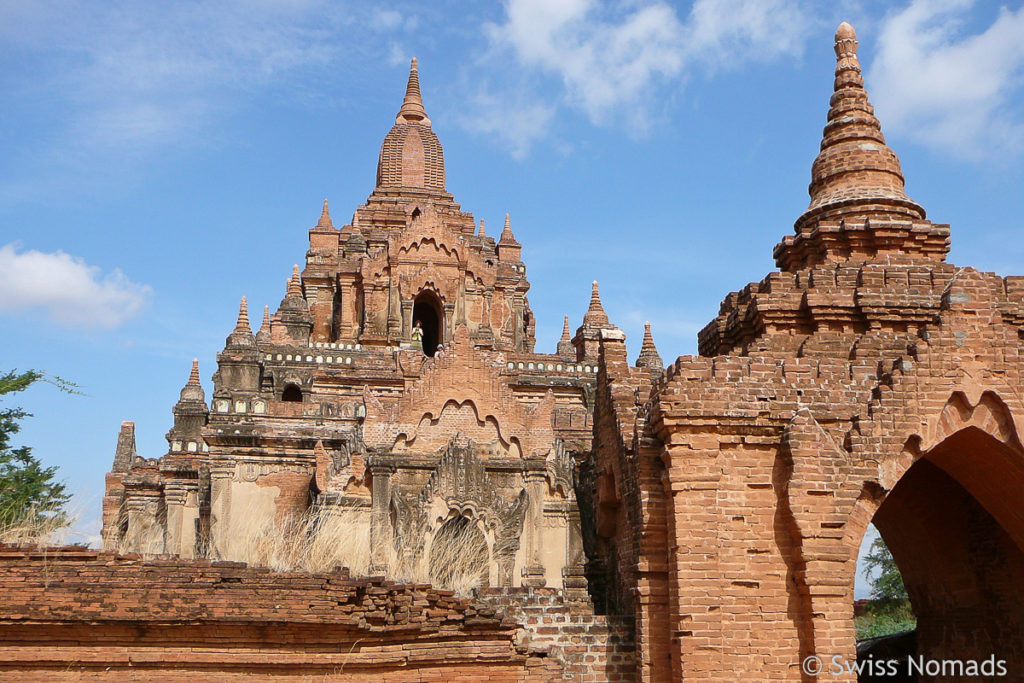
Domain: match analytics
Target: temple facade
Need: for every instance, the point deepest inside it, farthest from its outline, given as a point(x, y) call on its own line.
point(397, 380)
point(696, 522)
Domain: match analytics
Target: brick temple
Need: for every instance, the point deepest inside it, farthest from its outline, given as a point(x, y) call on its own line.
point(397, 379)
point(699, 522)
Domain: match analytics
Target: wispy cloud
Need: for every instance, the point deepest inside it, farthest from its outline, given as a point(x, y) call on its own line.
point(948, 88)
point(72, 292)
point(611, 59)
point(517, 124)
point(128, 80)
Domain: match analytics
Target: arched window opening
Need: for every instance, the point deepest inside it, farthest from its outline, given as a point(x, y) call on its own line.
point(291, 394)
point(955, 538)
point(426, 312)
point(458, 556)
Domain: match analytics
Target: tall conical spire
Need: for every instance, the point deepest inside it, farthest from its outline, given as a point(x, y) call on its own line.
point(412, 106)
point(565, 329)
point(858, 207)
point(483, 231)
point(325, 218)
point(411, 155)
point(595, 314)
point(856, 169)
point(649, 357)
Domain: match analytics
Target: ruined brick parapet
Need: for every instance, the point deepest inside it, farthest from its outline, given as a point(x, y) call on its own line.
point(78, 614)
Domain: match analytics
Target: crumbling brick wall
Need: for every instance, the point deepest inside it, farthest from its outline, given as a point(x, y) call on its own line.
point(79, 614)
point(590, 647)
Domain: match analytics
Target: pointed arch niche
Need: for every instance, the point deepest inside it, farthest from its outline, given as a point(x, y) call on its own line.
point(428, 311)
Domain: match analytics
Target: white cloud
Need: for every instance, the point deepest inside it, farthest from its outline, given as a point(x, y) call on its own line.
point(517, 125)
point(737, 30)
point(130, 78)
point(74, 293)
point(610, 59)
point(385, 20)
point(946, 88)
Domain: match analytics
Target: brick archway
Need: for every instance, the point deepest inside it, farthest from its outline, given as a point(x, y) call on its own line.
point(950, 513)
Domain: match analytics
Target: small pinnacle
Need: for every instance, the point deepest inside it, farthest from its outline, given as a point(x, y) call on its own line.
point(565, 329)
point(264, 333)
point(846, 32)
point(294, 283)
point(595, 313)
point(325, 218)
point(846, 48)
point(243, 316)
point(483, 232)
point(193, 377)
point(649, 357)
point(412, 106)
point(506, 234)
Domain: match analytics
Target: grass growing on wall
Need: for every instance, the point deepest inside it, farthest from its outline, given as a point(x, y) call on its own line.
point(321, 540)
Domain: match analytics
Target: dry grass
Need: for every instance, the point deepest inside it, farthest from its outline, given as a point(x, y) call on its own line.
point(38, 528)
point(321, 540)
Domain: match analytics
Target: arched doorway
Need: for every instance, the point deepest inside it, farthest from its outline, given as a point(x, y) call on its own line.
point(427, 311)
point(458, 555)
point(955, 526)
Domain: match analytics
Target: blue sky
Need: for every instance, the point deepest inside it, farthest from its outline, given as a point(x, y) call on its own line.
point(160, 160)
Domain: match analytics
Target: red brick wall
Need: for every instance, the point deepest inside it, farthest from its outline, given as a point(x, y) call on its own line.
point(591, 647)
point(74, 614)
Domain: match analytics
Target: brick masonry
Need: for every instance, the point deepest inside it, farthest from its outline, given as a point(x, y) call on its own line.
point(700, 522)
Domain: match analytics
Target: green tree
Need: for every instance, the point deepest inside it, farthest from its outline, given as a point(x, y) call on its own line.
point(889, 611)
point(28, 492)
point(880, 568)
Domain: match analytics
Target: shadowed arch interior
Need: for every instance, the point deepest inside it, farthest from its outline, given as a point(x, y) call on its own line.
point(954, 526)
point(427, 310)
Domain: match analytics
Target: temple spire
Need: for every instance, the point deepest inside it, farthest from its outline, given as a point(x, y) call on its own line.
point(595, 314)
point(412, 106)
point(564, 347)
point(649, 357)
point(242, 324)
point(855, 171)
point(506, 234)
point(483, 231)
point(241, 336)
point(294, 283)
point(263, 335)
point(325, 218)
point(193, 389)
point(859, 208)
